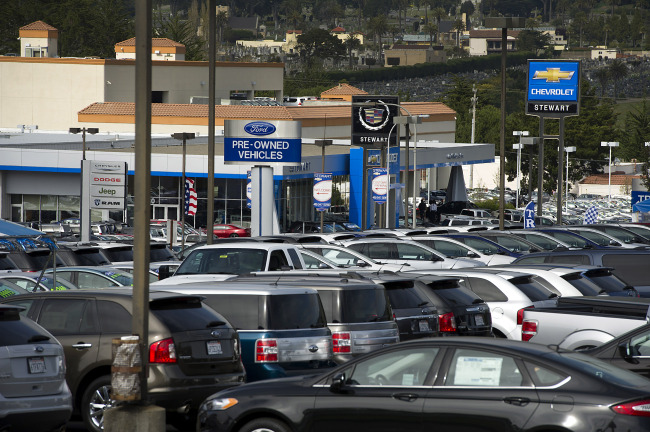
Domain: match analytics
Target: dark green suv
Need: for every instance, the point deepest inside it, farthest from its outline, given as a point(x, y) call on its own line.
point(193, 350)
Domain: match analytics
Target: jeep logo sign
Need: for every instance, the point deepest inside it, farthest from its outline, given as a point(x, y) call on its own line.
point(259, 128)
point(104, 185)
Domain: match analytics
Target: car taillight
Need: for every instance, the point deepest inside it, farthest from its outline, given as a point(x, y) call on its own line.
point(520, 314)
point(637, 408)
point(266, 351)
point(236, 349)
point(447, 322)
point(341, 342)
point(528, 330)
point(162, 351)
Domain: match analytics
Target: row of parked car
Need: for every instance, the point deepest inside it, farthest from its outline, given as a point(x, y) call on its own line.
point(252, 309)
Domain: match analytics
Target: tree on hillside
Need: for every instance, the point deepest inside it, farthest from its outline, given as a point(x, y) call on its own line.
point(351, 43)
point(602, 76)
point(438, 14)
point(637, 133)
point(431, 29)
point(182, 31)
point(377, 28)
point(459, 26)
point(617, 70)
point(317, 45)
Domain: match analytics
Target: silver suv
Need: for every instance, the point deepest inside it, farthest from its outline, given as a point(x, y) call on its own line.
point(33, 393)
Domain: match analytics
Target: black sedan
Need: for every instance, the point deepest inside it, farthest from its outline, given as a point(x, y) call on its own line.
point(629, 351)
point(455, 383)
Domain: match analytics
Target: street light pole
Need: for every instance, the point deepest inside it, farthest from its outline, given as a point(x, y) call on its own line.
point(609, 144)
point(518, 147)
point(83, 131)
point(566, 195)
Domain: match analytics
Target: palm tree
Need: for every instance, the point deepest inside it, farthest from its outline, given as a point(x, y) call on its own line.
point(617, 70)
point(459, 26)
point(438, 13)
point(377, 27)
point(351, 43)
point(602, 75)
point(431, 30)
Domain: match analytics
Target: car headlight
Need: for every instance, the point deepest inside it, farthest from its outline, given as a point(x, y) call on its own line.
point(220, 404)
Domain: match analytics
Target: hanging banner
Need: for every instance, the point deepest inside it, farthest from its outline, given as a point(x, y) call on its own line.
point(249, 189)
point(529, 215)
point(322, 191)
point(379, 185)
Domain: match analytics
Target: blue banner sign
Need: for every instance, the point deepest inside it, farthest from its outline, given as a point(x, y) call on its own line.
point(322, 191)
point(262, 143)
point(249, 189)
point(639, 196)
point(379, 185)
point(553, 88)
point(529, 215)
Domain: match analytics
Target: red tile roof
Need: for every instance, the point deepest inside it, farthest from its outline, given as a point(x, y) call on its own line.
point(603, 179)
point(155, 42)
point(338, 29)
point(344, 89)
point(253, 112)
point(37, 25)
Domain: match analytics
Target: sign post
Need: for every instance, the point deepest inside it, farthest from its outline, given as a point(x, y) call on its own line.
point(263, 144)
point(554, 92)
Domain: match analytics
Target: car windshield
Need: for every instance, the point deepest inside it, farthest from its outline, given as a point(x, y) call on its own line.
point(364, 305)
point(604, 371)
point(571, 239)
point(511, 243)
point(484, 246)
point(223, 261)
point(125, 279)
point(596, 237)
point(300, 311)
point(118, 254)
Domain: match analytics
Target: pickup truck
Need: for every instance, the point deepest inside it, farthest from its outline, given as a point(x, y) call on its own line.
point(223, 261)
point(584, 322)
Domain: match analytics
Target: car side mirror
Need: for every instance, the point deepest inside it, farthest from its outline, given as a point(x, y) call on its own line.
point(436, 258)
point(338, 383)
point(361, 263)
point(164, 271)
point(473, 255)
point(614, 243)
point(625, 350)
point(322, 266)
point(286, 268)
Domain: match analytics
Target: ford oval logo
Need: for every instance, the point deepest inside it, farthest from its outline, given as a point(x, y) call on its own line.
point(259, 128)
point(313, 348)
point(215, 333)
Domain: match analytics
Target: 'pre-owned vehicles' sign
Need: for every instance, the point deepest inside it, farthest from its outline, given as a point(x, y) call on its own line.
point(262, 142)
point(553, 88)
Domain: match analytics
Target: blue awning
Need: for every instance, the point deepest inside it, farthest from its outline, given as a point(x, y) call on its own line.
point(13, 229)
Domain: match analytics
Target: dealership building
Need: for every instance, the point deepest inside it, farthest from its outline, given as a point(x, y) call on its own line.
point(41, 98)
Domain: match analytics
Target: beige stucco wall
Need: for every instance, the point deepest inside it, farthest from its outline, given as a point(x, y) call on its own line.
point(50, 92)
point(46, 93)
point(42, 42)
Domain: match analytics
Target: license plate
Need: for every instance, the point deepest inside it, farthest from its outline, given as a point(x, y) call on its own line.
point(214, 347)
point(424, 326)
point(36, 365)
point(479, 320)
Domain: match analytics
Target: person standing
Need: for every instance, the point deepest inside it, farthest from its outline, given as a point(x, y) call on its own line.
point(433, 208)
point(422, 209)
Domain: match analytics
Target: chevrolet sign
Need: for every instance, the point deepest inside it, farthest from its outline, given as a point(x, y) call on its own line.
point(553, 88)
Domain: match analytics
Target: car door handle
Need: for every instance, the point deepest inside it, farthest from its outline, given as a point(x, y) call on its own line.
point(408, 397)
point(82, 345)
point(518, 401)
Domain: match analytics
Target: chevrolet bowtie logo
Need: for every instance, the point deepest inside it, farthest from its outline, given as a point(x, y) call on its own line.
point(553, 75)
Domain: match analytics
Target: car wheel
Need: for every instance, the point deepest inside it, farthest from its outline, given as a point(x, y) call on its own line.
point(264, 425)
point(234, 235)
point(95, 401)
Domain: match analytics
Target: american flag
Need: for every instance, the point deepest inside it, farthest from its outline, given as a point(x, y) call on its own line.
point(190, 197)
point(591, 215)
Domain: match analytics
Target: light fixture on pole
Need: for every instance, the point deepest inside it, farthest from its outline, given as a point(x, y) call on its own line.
point(609, 144)
point(83, 131)
point(183, 136)
point(567, 150)
point(518, 147)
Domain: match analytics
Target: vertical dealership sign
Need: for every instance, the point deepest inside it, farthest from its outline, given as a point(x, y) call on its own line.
point(249, 189)
point(322, 191)
point(103, 187)
point(553, 88)
point(379, 185)
point(372, 120)
point(262, 145)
